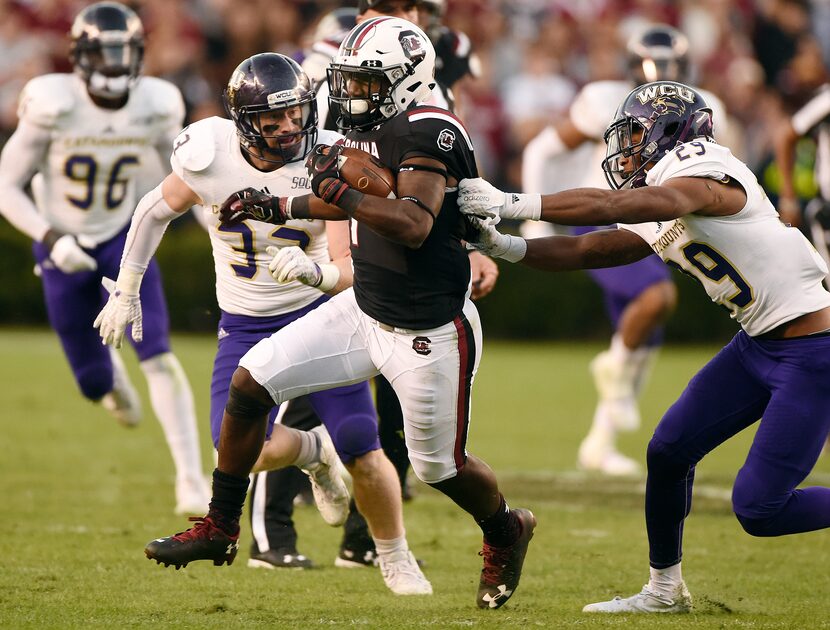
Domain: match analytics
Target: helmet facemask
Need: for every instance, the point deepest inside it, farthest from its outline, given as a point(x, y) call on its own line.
point(363, 96)
point(258, 128)
point(626, 157)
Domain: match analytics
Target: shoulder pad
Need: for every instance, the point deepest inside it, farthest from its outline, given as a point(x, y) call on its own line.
point(44, 99)
point(593, 108)
point(325, 136)
point(446, 127)
point(697, 158)
point(195, 147)
point(162, 97)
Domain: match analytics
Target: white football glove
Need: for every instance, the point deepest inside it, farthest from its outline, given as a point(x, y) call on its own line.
point(69, 257)
point(122, 309)
point(291, 263)
point(478, 197)
point(493, 243)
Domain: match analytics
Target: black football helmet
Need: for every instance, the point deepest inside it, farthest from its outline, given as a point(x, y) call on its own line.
point(659, 53)
point(107, 48)
point(271, 82)
point(652, 120)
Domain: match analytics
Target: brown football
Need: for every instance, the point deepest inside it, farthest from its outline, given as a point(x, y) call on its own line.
point(364, 172)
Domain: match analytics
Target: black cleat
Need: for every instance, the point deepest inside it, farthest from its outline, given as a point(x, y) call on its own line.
point(203, 541)
point(503, 565)
point(283, 558)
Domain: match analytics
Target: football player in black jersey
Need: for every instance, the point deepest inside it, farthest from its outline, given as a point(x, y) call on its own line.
point(407, 316)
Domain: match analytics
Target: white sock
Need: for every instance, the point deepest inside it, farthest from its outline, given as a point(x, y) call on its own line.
point(309, 449)
point(666, 580)
point(619, 350)
point(172, 401)
point(386, 547)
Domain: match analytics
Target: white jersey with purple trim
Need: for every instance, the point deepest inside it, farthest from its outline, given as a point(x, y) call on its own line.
point(763, 271)
point(208, 158)
point(100, 161)
point(593, 110)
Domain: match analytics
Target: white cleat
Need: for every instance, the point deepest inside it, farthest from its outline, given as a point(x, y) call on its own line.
point(330, 492)
point(605, 459)
point(646, 601)
point(192, 497)
point(615, 383)
point(402, 574)
point(123, 401)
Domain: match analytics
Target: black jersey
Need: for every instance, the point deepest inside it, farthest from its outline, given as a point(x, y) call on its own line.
point(454, 58)
point(425, 287)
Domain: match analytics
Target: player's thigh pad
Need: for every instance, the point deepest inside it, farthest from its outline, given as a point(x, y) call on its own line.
point(432, 373)
point(325, 348)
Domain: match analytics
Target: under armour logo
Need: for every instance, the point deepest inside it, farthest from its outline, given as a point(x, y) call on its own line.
point(493, 601)
point(421, 345)
point(231, 548)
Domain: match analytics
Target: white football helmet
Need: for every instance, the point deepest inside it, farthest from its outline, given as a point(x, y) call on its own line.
point(384, 65)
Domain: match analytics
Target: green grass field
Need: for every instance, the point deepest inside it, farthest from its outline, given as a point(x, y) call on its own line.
point(81, 496)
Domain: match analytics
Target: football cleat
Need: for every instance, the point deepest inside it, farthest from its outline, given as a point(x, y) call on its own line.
point(402, 574)
point(123, 402)
point(357, 557)
point(646, 601)
point(327, 485)
point(503, 565)
point(203, 541)
point(605, 459)
point(284, 558)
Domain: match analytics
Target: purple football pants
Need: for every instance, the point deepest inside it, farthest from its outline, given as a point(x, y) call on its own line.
point(785, 383)
point(622, 285)
point(74, 300)
point(347, 412)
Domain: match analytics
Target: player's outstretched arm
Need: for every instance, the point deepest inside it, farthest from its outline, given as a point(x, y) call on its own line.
point(593, 206)
point(604, 248)
point(154, 212)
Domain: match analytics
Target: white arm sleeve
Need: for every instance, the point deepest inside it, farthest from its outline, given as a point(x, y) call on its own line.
point(812, 113)
point(23, 154)
point(151, 218)
point(535, 157)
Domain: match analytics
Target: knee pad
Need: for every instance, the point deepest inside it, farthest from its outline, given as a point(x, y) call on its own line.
point(759, 527)
point(356, 435)
point(661, 461)
point(430, 472)
point(245, 406)
point(94, 382)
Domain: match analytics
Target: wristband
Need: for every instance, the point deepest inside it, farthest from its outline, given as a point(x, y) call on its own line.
point(516, 249)
point(329, 276)
point(129, 281)
point(522, 206)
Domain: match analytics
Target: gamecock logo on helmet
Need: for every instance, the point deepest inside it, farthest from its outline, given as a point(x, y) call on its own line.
point(413, 46)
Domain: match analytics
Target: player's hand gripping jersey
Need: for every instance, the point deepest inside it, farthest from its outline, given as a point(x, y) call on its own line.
point(764, 272)
point(207, 157)
point(99, 162)
point(425, 287)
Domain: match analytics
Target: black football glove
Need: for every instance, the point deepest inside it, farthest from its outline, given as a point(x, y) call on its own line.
point(325, 178)
point(251, 203)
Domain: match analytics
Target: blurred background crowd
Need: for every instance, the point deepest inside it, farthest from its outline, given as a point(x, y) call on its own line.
point(762, 57)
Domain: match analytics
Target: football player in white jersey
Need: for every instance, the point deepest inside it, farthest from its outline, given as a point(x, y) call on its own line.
point(93, 141)
point(266, 277)
point(638, 297)
point(680, 195)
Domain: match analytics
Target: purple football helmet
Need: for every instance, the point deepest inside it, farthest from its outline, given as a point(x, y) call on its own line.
point(652, 120)
point(659, 53)
point(265, 83)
